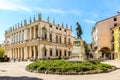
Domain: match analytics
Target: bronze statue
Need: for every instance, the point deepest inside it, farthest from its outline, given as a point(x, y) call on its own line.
point(79, 30)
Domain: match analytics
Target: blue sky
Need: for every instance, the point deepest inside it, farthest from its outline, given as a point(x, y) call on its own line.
point(86, 12)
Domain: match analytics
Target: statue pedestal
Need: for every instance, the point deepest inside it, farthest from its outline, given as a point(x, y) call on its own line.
point(79, 50)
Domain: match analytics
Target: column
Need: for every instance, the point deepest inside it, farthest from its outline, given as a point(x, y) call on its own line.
point(21, 35)
point(34, 48)
point(48, 53)
point(18, 37)
point(25, 34)
point(25, 53)
point(15, 53)
point(30, 52)
point(38, 30)
point(15, 37)
point(39, 51)
point(48, 36)
point(54, 52)
point(30, 32)
point(34, 31)
point(12, 53)
point(22, 56)
point(10, 38)
point(18, 54)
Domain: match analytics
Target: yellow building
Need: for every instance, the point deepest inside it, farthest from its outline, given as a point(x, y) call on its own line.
point(116, 42)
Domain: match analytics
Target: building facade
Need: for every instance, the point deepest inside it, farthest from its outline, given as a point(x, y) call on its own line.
point(38, 40)
point(116, 42)
point(102, 36)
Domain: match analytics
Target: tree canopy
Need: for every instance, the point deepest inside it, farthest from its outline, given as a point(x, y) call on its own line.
point(2, 51)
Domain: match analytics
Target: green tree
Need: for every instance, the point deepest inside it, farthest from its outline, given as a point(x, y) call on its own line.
point(1, 51)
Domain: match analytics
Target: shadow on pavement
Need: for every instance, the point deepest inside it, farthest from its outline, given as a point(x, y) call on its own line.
point(18, 78)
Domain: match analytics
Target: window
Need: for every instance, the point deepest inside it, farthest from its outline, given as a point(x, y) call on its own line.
point(65, 30)
point(56, 52)
point(51, 26)
point(119, 46)
point(115, 19)
point(60, 39)
point(112, 32)
point(113, 47)
point(69, 53)
point(60, 29)
point(112, 38)
point(50, 52)
point(50, 37)
point(45, 36)
point(115, 24)
point(56, 27)
point(56, 38)
point(119, 36)
point(65, 53)
point(45, 53)
point(119, 28)
point(69, 41)
point(65, 40)
point(60, 53)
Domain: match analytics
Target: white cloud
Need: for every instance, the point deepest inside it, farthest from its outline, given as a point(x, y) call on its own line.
point(13, 5)
point(90, 21)
point(50, 10)
point(58, 11)
point(75, 12)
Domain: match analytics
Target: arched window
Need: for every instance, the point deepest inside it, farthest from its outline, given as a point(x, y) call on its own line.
point(44, 33)
point(51, 52)
point(50, 37)
point(56, 52)
point(56, 38)
point(45, 52)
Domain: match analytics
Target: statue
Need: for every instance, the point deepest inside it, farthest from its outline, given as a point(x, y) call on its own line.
point(25, 22)
point(71, 27)
point(34, 18)
point(18, 25)
point(48, 19)
point(62, 24)
point(53, 21)
point(39, 16)
point(30, 20)
point(79, 30)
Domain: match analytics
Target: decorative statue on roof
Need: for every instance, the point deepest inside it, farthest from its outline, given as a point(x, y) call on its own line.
point(21, 23)
point(79, 30)
point(39, 16)
point(34, 18)
point(48, 19)
point(30, 20)
point(53, 21)
point(25, 22)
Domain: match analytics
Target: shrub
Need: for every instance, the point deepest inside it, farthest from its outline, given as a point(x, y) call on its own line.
point(63, 66)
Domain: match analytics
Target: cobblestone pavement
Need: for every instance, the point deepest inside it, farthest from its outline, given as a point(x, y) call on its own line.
point(16, 71)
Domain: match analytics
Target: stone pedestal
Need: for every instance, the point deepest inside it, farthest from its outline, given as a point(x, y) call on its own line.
point(79, 50)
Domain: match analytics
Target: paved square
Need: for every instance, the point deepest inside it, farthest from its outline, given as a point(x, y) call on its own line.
point(16, 71)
